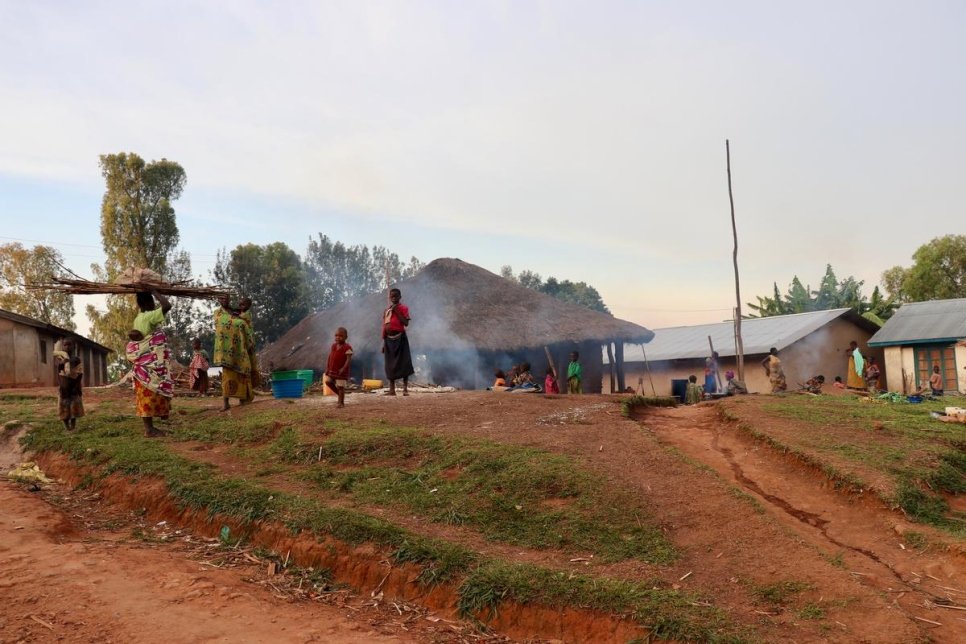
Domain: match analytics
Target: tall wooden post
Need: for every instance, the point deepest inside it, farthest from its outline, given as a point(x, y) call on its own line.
point(610, 360)
point(619, 358)
point(739, 348)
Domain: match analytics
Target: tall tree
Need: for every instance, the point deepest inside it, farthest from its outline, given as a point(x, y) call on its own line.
point(138, 229)
point(273, 277)
point(938, 272)
point(832, 293)
point(579, 293)
point(336, 272)
point(20, 266)
point(799, 297)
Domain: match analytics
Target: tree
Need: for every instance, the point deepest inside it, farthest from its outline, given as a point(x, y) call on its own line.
point(20, 266)
point(832, 293)
point(799, 298)
point(579, 293)
point(767, 306)
point(938, 272)
point(138, 229)
point(273, 277)
point(336, 272)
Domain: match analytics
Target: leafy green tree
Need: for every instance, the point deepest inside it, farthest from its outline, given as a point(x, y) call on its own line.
point(579, 293)
point(799, 297)
point(138, 229)
point(336, 272)
point(938, 272)
point(832, 293)
point(273, 277)
point(826, 297)
point(21, 266)
point(774, 305)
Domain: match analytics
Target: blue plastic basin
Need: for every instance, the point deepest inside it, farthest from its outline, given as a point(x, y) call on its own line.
point(290, 388)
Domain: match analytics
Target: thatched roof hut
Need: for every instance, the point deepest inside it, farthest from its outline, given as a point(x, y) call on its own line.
point(466, 321)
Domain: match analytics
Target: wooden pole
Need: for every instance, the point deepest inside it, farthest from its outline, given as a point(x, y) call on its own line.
point(553, 368)
point(619, 360)
point(717, 372)
point(610, 360)
point(739, 348)
point(647, 368)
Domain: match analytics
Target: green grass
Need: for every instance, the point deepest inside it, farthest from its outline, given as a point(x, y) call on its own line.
point(779, 593)
point(668, 613)
point(117, 447)
point(510, 494)
point(628, 405)
point(811, 611)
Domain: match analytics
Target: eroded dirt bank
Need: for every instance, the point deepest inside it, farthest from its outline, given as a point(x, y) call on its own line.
point(857, 532)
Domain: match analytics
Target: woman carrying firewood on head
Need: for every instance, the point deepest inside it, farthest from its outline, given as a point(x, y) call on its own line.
point(148, 353)
point(232, 353)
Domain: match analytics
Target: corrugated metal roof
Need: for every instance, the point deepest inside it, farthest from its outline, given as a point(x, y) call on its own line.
point(919, 322)
point(758, 336)
point(50, 328)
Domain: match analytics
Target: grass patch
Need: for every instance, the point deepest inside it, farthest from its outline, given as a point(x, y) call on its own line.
point(629, 405)
point(779, 593)
point(669, 614)
point(811, 611)
point(511, 494)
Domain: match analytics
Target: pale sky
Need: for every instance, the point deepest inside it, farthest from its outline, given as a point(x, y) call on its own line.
point(583, 140)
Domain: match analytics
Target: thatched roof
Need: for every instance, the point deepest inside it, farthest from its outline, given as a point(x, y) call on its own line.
point(454, 306)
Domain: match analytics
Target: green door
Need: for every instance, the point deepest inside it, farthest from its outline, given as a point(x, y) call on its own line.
point(943, 356)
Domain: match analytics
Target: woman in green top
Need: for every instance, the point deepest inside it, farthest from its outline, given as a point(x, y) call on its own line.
point(148, 353)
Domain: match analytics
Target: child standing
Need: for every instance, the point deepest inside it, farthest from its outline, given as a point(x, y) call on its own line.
point(70, 377)
point(337, 367)
point(936, 381)
point(198, 368)
point(550, 382)
point(574, 373)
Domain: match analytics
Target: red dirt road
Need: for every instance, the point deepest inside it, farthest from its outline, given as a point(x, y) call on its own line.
point(69, 577)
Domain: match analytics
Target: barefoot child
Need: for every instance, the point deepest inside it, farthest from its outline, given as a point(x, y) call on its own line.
point(574, 373)
point(198, 368)
point(550, 382)
point(337, 367)
point(70, 377)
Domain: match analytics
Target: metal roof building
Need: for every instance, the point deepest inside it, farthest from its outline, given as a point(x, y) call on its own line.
point(26, 353)
point(758, 335)
point(924, 323)
point(809, 344)
point(921, 336)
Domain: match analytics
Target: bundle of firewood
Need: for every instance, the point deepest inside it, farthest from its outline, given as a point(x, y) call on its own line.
point(130, 281)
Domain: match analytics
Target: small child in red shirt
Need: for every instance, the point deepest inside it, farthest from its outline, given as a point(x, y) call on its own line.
point(337, 368)
point(550, 382)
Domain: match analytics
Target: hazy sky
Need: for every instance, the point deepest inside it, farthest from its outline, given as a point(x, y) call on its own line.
point(583, 140)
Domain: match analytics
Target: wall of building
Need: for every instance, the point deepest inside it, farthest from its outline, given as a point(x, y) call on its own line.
point(20, 359)
point(822, 352)
point(902, 372)
point(26, 357)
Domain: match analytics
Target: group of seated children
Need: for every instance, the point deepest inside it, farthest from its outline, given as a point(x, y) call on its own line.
point(519, 378)
point(695, 392)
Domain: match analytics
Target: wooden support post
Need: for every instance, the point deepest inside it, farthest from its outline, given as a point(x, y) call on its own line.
point(610, 361)
point(619, 359)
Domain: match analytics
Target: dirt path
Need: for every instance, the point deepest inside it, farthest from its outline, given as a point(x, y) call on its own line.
point(866, 536)
point(61, 585)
